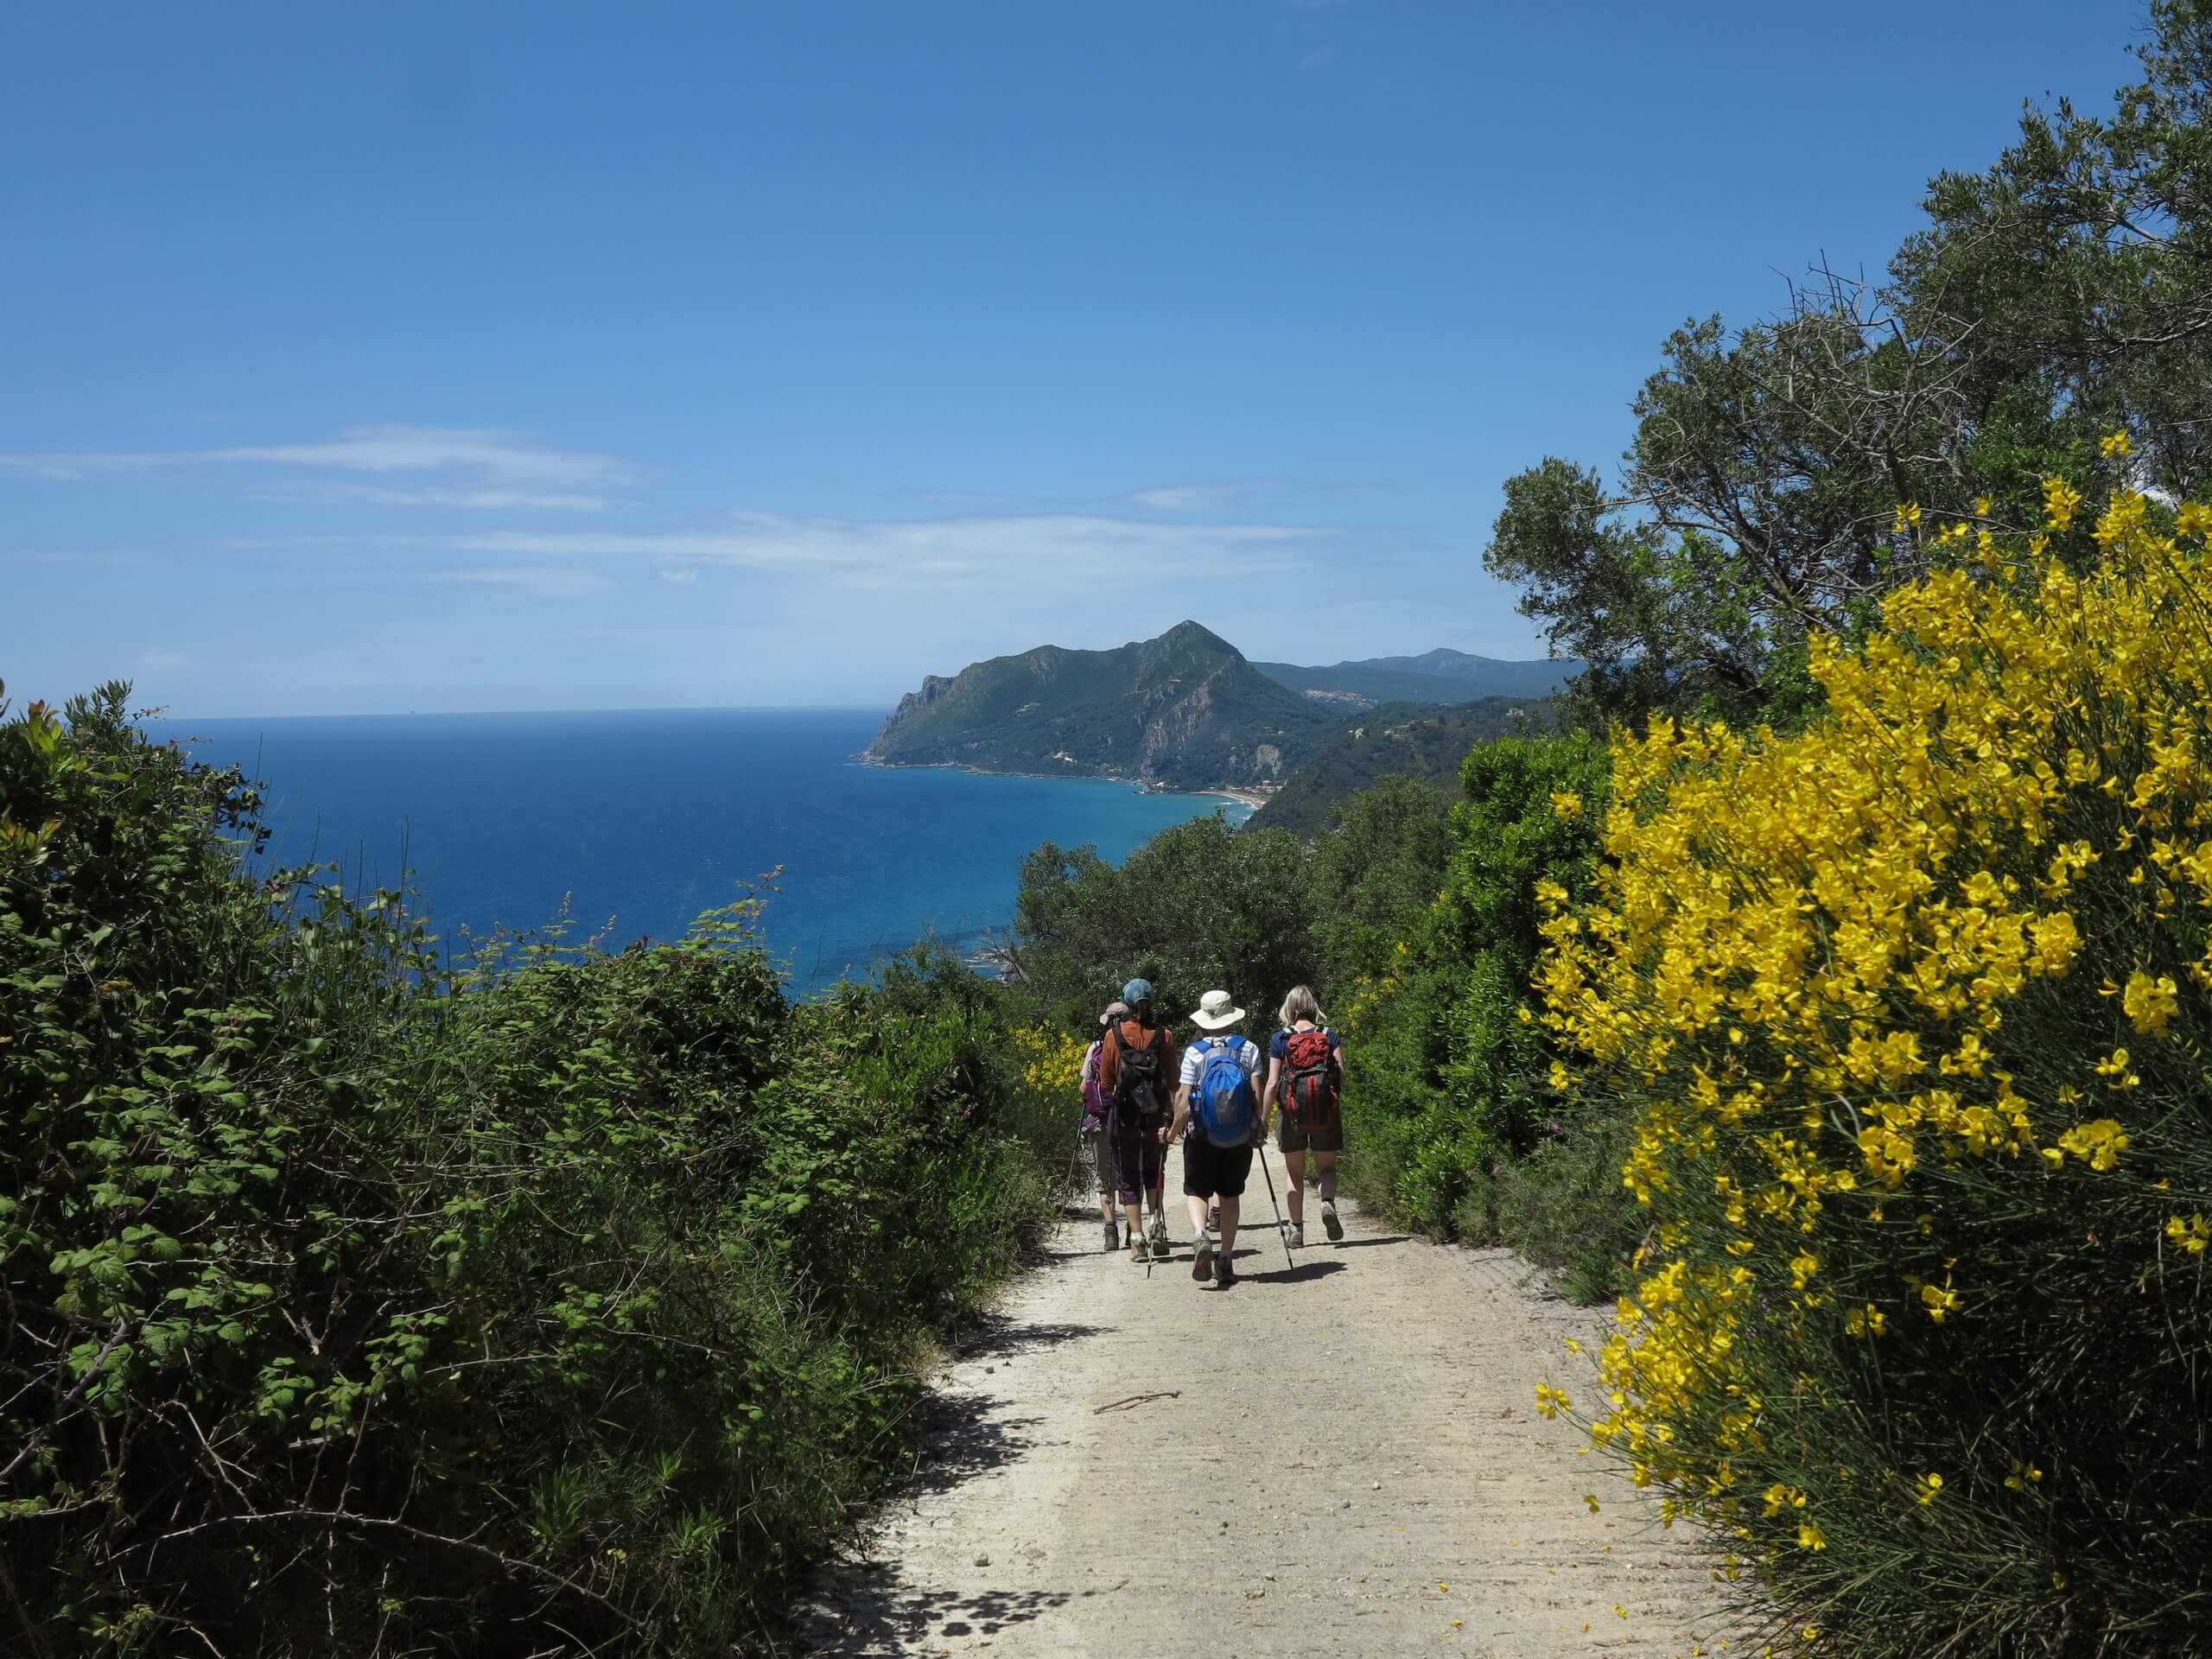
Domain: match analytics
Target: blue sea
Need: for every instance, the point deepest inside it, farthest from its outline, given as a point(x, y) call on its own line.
point(634, 822)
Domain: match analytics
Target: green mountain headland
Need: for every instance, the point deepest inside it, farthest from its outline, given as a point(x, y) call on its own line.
point(1183, 711)
point(1407, 740)
point(1187, 710)
point(1441, 675)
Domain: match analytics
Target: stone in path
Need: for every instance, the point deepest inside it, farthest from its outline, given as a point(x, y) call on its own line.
point(1353, 1465)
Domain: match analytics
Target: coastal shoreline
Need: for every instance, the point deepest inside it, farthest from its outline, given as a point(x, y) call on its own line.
point(1250, 798)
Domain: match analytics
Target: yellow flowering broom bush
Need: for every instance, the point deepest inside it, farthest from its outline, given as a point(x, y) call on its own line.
point(1910, 1012)
point(1052, 1065)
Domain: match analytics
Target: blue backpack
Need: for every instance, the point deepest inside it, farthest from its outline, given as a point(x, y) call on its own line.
point(1227, 1110)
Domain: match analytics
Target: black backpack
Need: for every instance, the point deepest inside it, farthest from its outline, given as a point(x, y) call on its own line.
point(1139, 1090)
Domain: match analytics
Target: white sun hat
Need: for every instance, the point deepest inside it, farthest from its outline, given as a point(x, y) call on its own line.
point(1216, 1011)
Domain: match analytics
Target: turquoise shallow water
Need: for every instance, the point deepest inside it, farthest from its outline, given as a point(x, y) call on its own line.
point(649, 818)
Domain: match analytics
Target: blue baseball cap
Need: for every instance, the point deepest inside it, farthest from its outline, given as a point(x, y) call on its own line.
point(1137, 990)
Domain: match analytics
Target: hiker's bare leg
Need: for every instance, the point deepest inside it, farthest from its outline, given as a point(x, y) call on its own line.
point(1293, 1164)
point(1136, 1218)
point(1324, 1164)
point(1228, 1225)
point(1197, 1207)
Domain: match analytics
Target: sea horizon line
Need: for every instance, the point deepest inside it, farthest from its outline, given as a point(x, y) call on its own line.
point(167, 718)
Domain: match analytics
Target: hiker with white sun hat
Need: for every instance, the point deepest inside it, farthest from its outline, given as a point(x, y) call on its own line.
point(1218, 1099)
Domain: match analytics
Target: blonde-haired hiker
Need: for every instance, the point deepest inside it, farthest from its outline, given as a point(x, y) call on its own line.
point(1306, 1077)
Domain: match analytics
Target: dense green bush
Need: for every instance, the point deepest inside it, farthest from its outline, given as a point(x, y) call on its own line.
point(1561, 1206)
point(1447, 1092)
point(354, 1303)
point(1201, 905)
point(1375, 869)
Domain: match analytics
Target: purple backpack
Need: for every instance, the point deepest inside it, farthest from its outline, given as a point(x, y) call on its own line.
point(1094, 1098)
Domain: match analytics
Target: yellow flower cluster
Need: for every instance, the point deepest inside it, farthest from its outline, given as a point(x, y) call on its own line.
point(1052, 1061)
point(1804, 953)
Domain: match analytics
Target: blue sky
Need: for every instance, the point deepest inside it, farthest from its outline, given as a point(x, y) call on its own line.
point(378, 358)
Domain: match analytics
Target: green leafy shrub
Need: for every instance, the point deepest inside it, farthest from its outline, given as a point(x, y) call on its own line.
point(354, 1302)
point(1447, 1085)
point(1201, 905)
point(1561, 1206)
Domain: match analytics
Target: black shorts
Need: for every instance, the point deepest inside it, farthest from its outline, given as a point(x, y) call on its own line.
point(1215, 1172)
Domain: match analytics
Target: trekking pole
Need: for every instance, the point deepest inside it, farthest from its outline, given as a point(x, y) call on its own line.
point(1145, 1203)
point(1281, 1231)
point(1075, 1157)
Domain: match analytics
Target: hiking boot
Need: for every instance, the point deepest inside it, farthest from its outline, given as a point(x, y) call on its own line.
point(1201, 1267)
point(1159, 1230)
point(1213, 1223)
point(1224, 1273)
point(1140, 1250)
point(1113, 1236)
point(1293, 1233)
point(1335, 1228)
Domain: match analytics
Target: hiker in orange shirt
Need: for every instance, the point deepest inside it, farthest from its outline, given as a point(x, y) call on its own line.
point(1136, 1057)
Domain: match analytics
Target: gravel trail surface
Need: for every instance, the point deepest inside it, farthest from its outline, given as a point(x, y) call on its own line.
point(1337, 1456)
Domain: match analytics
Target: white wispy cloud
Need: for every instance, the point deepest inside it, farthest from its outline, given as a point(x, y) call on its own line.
point(1015, 550)
point(1012, 556)
point(1190, 498)
point(498, 467)
point(543, 581)
point(340, 492)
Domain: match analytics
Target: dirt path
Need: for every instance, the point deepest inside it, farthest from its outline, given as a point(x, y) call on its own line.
point(1349, 1438)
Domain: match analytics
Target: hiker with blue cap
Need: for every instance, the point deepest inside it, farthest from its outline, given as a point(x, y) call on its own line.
point(1136, 1057)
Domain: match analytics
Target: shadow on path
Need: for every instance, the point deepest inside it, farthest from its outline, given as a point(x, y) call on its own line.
point(1293, 1275)
point(993, 1335)
point(870, 1611)
point(960, 1441)
point(1364, 1243)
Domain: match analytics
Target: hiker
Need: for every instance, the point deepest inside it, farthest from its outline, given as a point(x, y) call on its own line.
point(1095, 1132)
point(1215, 1095)
point(1305, 1075)
point(1135, 1058)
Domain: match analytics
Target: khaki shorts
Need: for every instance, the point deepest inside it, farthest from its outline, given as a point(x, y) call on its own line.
point(1290, 1140)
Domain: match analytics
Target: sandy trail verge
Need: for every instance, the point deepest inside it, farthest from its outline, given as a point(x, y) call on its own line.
point(1352, 1462)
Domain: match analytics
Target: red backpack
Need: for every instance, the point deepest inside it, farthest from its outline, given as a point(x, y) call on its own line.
point(1312, 1081)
